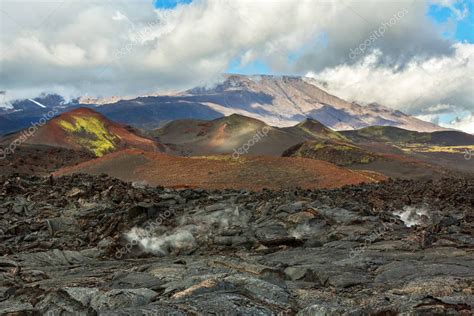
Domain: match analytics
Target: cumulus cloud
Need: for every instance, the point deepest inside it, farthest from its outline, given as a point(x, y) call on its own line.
point(423, 86)
point(411, 34)
point(117, 49)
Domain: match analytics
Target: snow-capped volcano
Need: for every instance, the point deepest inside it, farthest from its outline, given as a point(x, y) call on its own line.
point(286, 100)
point(276, 100)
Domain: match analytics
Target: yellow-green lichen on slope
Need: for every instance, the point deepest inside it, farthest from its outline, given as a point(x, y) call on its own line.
point(437, 148)
point(91, 133)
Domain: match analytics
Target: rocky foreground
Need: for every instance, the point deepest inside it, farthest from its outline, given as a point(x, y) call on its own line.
point(94, 245)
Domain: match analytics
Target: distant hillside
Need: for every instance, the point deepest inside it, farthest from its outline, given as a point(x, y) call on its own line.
point(224, 135)
point(6, 125)
point(446, 149)
point(234, 132)
point(392, 151)
point(312, 129)
point(87, 130)
point(398, 135)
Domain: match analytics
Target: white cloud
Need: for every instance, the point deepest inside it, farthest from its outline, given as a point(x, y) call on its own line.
point(176, 48)
point(119, 16)
point(423, 86)
point(439, 108)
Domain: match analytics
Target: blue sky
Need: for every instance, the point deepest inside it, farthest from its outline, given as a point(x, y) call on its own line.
point(169, 4)
point(460, 30)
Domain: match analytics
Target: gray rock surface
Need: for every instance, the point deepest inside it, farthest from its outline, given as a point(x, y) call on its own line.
point(87, 245)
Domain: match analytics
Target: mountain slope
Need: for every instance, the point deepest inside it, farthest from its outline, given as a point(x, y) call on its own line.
point(312, 129)
point(237, 133)
point(442, 148)
point(393, 151)
point(398, 135)
point(84, 129)
point(7, 125)
point(284, 101)
point(153, 112)
point(224, 135)
point(40, 160)
point(221, 172)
